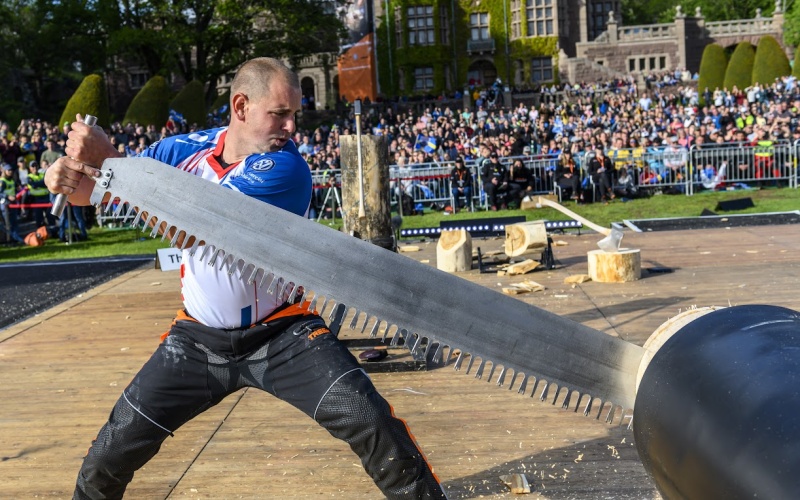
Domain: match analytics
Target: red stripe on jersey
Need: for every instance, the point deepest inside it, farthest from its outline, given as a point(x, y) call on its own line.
point(213, 162)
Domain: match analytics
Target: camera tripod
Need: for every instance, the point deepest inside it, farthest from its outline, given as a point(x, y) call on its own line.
point(334, 200)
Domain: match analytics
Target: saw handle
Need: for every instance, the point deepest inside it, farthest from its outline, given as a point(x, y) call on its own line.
point(61, 199)
point(545, 202)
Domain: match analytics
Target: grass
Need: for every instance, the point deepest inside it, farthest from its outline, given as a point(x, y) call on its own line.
point(112, 242)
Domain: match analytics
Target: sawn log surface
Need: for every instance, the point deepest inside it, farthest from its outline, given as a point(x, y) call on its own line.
point(61, 372)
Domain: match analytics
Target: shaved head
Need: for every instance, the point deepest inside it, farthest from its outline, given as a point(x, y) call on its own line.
point(255, 77)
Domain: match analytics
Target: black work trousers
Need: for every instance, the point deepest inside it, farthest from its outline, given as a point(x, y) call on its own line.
point(296, 359)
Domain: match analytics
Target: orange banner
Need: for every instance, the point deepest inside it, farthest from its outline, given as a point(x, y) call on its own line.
point(357, 71)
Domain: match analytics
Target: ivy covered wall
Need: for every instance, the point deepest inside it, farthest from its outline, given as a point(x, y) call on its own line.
point(396, 62)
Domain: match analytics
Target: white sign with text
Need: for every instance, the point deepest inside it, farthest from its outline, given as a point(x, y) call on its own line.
point(169, 259)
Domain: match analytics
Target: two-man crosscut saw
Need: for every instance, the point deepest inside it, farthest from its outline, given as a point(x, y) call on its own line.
point(442, 317)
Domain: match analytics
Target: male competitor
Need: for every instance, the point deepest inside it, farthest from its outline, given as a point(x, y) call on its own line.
point(231, 335)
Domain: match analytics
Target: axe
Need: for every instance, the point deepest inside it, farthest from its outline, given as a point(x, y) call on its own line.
point(613, 236)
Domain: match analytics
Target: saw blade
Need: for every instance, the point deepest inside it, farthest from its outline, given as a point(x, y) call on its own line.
point(445, 318)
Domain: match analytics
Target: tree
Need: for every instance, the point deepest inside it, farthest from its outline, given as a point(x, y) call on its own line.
point(740, 67)
point(206, 39)
point(770, 62)
point(712, 70)
point(151, 105)
point(727, 10)
point(89, 99)
point(791, 26)
point(190, 102)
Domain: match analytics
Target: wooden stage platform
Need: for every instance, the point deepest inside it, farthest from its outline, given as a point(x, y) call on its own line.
point(61, 372)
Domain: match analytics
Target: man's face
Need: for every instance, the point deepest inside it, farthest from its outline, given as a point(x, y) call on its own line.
point(270, 120)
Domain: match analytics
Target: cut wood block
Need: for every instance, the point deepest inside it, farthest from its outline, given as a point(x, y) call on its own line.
point(517, 483)
point(525, 237)
point(523, 267)
point(408, 248)
point(454, 251)
point(615, 267)
point(577, 278)
point(560, 243)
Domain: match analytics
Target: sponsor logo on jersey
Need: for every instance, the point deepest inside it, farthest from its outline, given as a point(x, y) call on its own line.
point(263, 165)
point(198, 137)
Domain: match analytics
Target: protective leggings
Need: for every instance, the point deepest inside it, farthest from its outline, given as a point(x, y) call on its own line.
point(296, 359)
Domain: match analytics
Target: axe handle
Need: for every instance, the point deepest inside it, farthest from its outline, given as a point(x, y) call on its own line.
point(600, 229)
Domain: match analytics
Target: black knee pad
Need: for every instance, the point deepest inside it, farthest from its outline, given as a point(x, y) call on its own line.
point(352, 410)
point(124, 444)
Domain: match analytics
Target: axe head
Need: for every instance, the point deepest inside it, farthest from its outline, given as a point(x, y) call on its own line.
point(612, 241)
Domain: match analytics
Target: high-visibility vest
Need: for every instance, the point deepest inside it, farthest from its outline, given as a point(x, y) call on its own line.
point(764, 149)
point(36, 185)
point(9, 187)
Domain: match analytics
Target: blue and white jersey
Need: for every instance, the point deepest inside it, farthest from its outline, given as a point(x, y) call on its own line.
point(281, 178)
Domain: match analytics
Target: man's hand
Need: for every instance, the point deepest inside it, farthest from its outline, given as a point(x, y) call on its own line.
point(72, 178)
point(89, 145)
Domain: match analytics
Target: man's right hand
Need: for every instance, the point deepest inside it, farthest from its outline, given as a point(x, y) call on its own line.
point(89, 145)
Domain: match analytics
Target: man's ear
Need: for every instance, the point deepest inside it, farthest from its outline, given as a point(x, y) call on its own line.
point(238, 106)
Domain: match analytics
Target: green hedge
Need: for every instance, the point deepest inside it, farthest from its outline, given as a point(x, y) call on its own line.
point(740, 67)
point(712, 70)
point(89, 99)
point(151, 105)
point(191, 103)
point(770, 62)
point(796, 65)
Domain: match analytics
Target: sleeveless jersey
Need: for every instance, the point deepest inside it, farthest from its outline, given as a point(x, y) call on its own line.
point(281, 178)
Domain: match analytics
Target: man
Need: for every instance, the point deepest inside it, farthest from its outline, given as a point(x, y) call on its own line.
point(232, 335)
point(8, 195)
point(37, 193)
point(461, 184)
point(495, 181)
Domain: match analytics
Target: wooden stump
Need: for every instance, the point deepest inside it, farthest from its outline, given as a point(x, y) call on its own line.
point(454, 251)
point(615, 267)
point(525, 237)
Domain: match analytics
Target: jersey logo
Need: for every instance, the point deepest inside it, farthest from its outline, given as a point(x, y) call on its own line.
point(263, 165)
point(198, 137)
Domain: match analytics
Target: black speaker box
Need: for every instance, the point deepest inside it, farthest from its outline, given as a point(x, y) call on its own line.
point(737, 204)
point(707, 213)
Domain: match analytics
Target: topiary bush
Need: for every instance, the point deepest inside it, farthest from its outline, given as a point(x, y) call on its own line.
point(224, 99)
point(770, 62)
point(740, 67)
point(712, 70)
point(151, 105)
point(90, 98)
point(190, 102)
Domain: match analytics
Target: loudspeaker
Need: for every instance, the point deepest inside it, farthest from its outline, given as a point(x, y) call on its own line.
point(707, 213)
point(737, 204)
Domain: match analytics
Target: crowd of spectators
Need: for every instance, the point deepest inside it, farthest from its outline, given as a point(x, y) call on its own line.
point(590, 135)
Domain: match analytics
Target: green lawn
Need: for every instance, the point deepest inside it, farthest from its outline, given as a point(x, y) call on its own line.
point(111, 242)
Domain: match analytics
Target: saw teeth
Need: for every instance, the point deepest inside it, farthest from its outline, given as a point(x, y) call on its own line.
point(501, 378)
point(396, 338)
point(137, 219)
point(459, 360)
point(175, 238)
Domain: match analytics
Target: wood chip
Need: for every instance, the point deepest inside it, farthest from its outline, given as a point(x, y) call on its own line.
point(577, 278)
point(408, 248)
point(523, 267)
point(523, 287)
point(560, 243)
point(517, 483)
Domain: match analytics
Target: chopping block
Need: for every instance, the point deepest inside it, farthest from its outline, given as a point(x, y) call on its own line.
point(615, 267)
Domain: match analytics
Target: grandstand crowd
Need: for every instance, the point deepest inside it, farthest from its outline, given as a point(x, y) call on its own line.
point(586, 142)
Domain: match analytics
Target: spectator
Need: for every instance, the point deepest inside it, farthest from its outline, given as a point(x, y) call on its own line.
point(568, 176)
point(461, 185)
point(38, 194)
point(675, 159)
point(9, 191)
point(601, 170)
point(520, 182)
point(495, 182)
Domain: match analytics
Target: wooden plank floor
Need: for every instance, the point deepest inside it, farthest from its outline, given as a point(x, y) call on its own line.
point(61, 372)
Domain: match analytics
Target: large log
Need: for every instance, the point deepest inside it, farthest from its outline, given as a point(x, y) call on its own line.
point(525, 237)
point(454, 251)
point(376, 226)
point(615, 267)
